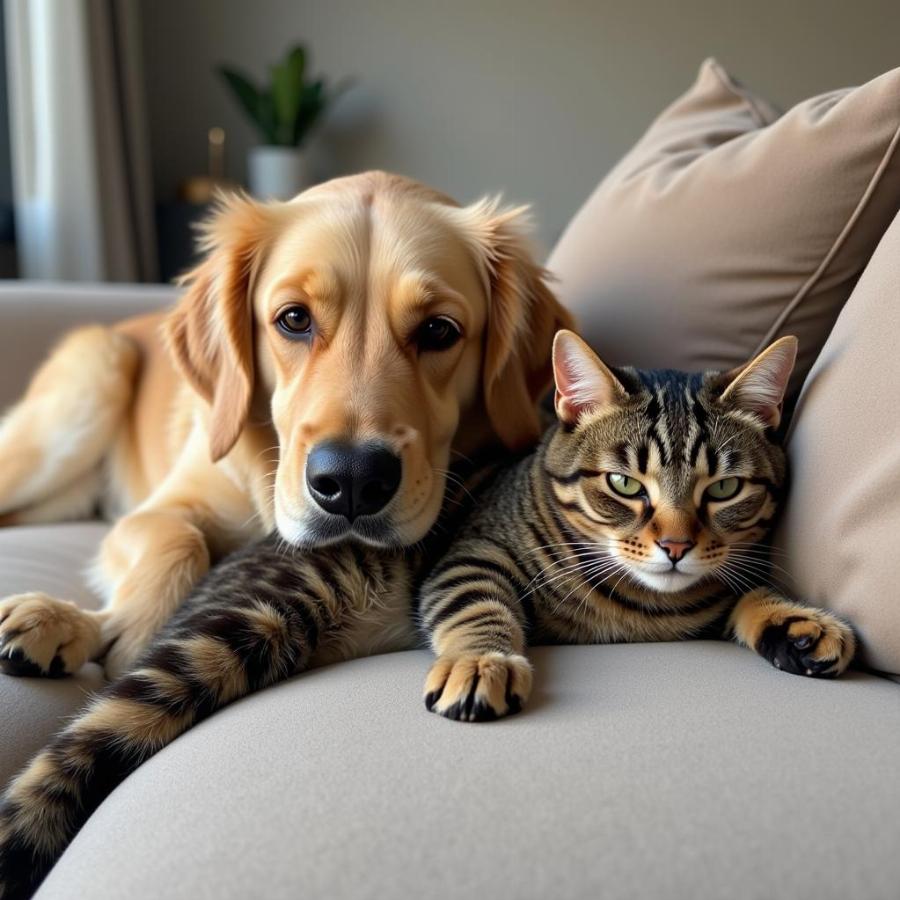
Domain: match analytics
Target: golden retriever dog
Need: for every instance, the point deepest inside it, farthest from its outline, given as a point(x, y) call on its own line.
point(328, 357)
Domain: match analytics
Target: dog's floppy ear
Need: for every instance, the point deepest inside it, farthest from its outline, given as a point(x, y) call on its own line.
point(210, 331)
point(523, 317)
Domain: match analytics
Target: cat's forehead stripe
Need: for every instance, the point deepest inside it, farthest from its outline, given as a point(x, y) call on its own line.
point(677, 420)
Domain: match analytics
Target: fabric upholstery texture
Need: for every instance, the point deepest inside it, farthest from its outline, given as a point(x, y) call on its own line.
point(34, 315)
point(49, 558)
point(676, 771)
point(727, 226)
point(841, 522)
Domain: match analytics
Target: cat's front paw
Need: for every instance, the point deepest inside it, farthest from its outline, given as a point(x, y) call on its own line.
point(45, 637)
point(807, 642)
point(478, 687)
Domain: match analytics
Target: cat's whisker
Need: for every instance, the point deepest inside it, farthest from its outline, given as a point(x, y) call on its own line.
point(589, 582)
point(583, 583)
point(755, 579)
point(740, 579)
point(725, 577)
point(568, 571)
point(536, 581)
point(764, 569)
point(600, 569)
point(582, 562)
point(749, 555)
point(756, 565)
point(758, 547)
point(603, 569)
point(585, 544)
point(616, 585)
point(750, 552)
point(763, 579)
point(585, 600)
point(752, 559)
point(574, 553)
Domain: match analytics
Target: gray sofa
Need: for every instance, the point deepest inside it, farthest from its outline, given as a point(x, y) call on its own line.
point(688, 770)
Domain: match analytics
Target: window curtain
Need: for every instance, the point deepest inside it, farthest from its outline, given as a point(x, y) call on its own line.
point(81, 170)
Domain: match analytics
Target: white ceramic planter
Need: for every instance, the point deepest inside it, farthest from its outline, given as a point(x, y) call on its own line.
point(277, 173)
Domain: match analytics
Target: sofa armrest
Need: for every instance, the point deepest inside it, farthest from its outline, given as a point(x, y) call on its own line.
point(34, 315)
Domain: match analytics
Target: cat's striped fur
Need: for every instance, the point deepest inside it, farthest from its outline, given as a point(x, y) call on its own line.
point(533, 562)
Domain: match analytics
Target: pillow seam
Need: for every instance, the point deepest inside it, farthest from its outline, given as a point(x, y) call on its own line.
point(839, 241)
point(762, 120)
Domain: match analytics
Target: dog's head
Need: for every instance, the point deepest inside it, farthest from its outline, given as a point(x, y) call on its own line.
point(377, 325)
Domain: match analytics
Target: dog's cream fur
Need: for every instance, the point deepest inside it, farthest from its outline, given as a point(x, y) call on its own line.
point(194, 427)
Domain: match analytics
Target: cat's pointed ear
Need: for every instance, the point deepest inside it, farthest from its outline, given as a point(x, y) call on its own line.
point(759, 387)
point(583, 382)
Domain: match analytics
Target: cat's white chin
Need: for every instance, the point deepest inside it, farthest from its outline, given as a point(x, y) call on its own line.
point(671, 581)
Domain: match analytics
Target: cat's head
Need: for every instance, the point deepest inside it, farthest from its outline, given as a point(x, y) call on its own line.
point(672, 477)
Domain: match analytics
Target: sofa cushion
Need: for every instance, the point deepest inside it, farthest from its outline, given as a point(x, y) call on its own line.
point(842, 519)
point(53, 559)
point(651, 770)
point(34, 315)
point(727, 226)
point(49, 558)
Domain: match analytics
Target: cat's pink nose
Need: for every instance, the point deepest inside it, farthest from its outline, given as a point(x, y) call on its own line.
point(675, 548)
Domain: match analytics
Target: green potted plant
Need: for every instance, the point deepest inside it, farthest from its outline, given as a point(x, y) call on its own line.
point(285, 111)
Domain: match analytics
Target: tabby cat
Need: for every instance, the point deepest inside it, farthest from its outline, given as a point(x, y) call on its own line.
point(638, 518)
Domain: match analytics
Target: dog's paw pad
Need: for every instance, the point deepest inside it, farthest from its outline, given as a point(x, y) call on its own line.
point(41, 636)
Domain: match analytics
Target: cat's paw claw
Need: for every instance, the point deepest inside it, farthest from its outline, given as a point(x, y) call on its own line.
point(41, 636)
point(803, 642)
point(813, 643)
point(478, 688)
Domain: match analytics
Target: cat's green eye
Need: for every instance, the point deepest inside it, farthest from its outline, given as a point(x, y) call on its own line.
point(724, 489)
point(624, 484)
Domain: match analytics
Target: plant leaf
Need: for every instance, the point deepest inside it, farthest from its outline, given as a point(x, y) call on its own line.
point(317, 99)
point(295, 61)
point(268, 119)
point(245, 91)
point(287, 92)
point(312, 105)
point(287, 110)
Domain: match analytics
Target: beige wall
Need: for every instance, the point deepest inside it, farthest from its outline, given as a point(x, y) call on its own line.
point(537, 99)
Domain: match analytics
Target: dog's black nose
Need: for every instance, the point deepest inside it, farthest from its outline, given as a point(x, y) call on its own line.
point(352, 479)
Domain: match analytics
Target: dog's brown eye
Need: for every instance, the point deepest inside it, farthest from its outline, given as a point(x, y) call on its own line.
point(437, 333)
point(295, 322)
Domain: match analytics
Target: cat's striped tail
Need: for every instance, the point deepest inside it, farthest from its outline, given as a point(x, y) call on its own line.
point(213, 653)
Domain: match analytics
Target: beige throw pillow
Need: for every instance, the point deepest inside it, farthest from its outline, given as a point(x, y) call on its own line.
point(727, 225)
point(841, 524)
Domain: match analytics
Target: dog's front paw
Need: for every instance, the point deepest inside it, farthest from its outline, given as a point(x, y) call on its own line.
point(809, 642)
point(43, 636)
point(478, 688)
